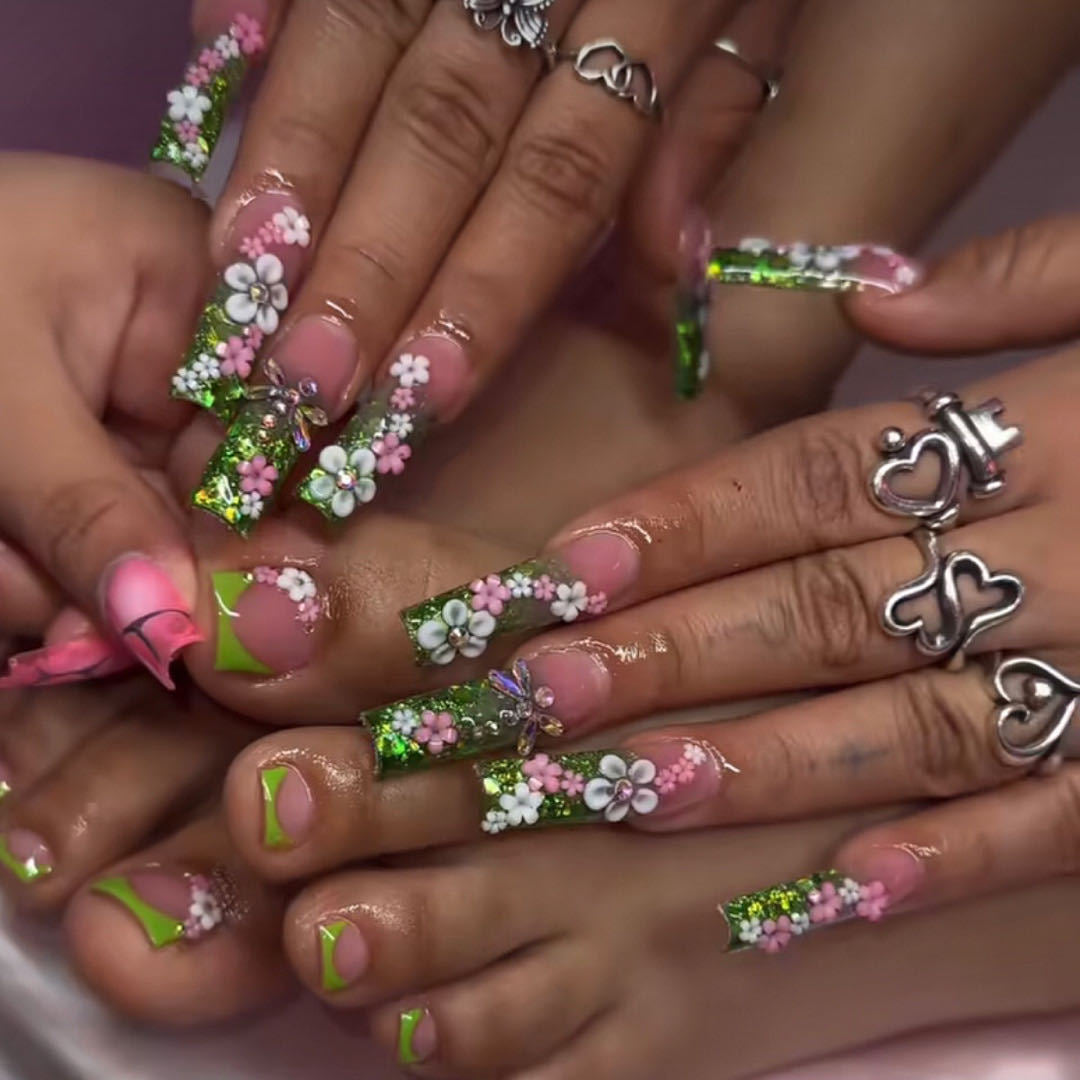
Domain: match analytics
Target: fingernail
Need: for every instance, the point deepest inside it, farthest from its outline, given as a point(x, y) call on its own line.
point(267, 240)
point(147, 613)
point(416, 1037)
point(772, 918)
point(568, 585)
point(77, 660)
point(5, 781)
point(692, 305)
point(689, 773)
point(898, 871)
point(814, 267)
point(429, 377)
point(169, 905)
point(264, 441)
point(266, 619)
point(323, 351)
point(196, 109)
point(288, 809)
point(344, 954)
point(578, 680)
point(508, 708)
point(594, 786)
point(26, 855)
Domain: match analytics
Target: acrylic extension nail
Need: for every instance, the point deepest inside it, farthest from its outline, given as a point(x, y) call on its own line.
point(539, 592)
point(78, 660)
point(770, 919)
point(378, 441)
point(266, 619)
point(692, 360)
point(288, 808)
point(147, 613)
point(573, 789)
point(343, 954)
point(416, 1036)
point(265, 440)
point(26, 855)
point(170, 906)
point(246, 306)
point(505, 709)
point(196, 109)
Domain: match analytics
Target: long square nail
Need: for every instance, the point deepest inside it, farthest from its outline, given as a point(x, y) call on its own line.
point(268, 238)
point(692, 360)
point(267, 618)
point(195, 111)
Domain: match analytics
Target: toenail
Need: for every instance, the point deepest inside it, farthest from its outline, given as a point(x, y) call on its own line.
point(26, 855)
point(344, 953)
point(288, 809)
point(169, 905)
point(416, 1036)
point(266, 620)
point(5, 781)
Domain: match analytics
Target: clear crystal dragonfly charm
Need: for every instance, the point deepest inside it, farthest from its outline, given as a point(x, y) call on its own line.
point(525, 706)
point(289, 405)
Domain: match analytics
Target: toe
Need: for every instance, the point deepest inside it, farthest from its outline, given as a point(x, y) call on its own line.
point(181, 933)
point(508, 1016)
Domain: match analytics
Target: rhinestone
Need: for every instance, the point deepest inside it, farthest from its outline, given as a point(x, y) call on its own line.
point(1037, 691)
point(624, 791)
point(346, 481)
point(259, 293)
point(457, 637)
point(544, 696)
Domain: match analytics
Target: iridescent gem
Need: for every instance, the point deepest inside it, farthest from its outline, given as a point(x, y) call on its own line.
point(345, 480)
point(457, 637)
point(544, 696)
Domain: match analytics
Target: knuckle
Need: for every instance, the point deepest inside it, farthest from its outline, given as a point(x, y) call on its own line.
point(827, 609)
point(75, 515)
point(940, 734)
point(1066, 822)
point(359, 268)
point(563, 174)
point(825, 491)
point(393, 21)
point(449, 118)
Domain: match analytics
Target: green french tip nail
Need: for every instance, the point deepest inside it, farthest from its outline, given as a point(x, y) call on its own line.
point(231, 655)
point(26, 870)
point(270, 781)
point(329, 933)
point(408, 1024)
point(160, 929)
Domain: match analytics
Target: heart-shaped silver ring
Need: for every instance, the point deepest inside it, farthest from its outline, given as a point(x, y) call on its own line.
point(1039, 701)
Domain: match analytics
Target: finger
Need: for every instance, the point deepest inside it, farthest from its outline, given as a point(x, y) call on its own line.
point(28, 600)
point(795, 490)
point(1011, 291)
point(1024, 833)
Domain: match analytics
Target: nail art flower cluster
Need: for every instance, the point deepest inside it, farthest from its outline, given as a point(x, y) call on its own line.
point(205, 912)
point(771, 919)
point(524, 597)
point(682, 771)
point(375, 444)
point(566, 788)
point(298, 585)
point(195, 110)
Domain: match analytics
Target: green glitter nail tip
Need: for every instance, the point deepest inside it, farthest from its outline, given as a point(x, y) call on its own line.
point(692, 361)
point(196, 109)
point(792, 266)
point(771, 918)
point(566, 789)
point(527, 596)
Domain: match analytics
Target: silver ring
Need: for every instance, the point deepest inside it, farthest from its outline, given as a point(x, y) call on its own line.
point(940, 581)
point(969, 445)
point(769, 78)
point(605, 63)
point(521, 22)
point(1036, 697)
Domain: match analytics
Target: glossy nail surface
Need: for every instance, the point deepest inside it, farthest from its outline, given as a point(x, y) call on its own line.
point(77, 660)
point(147, 613)
point(692, 306)
point(170, 906)
point(195, 111)
point(772, 918)
point(423, 380)
point(266, 619)
point(26, 855)
point(288, 809)
point(344, 954)
point(417, 1037)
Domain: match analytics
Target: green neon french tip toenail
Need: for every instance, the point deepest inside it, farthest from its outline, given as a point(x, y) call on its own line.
point(160, 929)
point(270, 781)
point(29, 869)
point(416, 1036)
point(194, 902)
point(329, 933)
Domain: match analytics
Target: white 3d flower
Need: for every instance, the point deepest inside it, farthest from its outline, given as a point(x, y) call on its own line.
point(188, 103)
point(258, 292)
point(458, 630)
point(348, 482)
point(299, 584)
point(411, 370)
point(621, 788)
point(295, 227)
point(571, 601)
point(522, 807)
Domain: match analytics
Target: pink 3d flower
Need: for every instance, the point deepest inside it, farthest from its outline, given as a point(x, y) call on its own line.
point(257, 475)
point(248, 34)
point(392, 454)
point(666, 781)
point(237, 357)
point(683, 771)
point(308, 612)
point(826, 904)
point(543, 773)
point(186, 131)
point(543, 588)
point(402, 399)
point(436, 731)
point(489, 594)
point(572, 783)
point(265, 575)
point(597, 604)
point(271, 234)
point(873, 901)
point(775, 934)
point(196, 75)
point(254, 337)
point(252, 247)
point(211, 60)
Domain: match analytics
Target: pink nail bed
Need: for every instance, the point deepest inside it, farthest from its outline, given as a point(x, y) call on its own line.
point(688, 774)
point(896, 870)
point(448, 373)
point(606, 560)
point(578, 679)
point(324, 351)
point(147, 613)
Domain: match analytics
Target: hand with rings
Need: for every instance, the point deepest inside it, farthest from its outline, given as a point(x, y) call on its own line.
point(416, 183)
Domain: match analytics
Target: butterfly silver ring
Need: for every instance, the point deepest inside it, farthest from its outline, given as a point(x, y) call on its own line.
point(520, 22)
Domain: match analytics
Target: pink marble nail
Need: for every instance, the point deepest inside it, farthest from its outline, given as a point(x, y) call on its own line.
point(147, 613)
point(579, 681)
point(77, 660)
point(605, 560)
point(322, 350)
